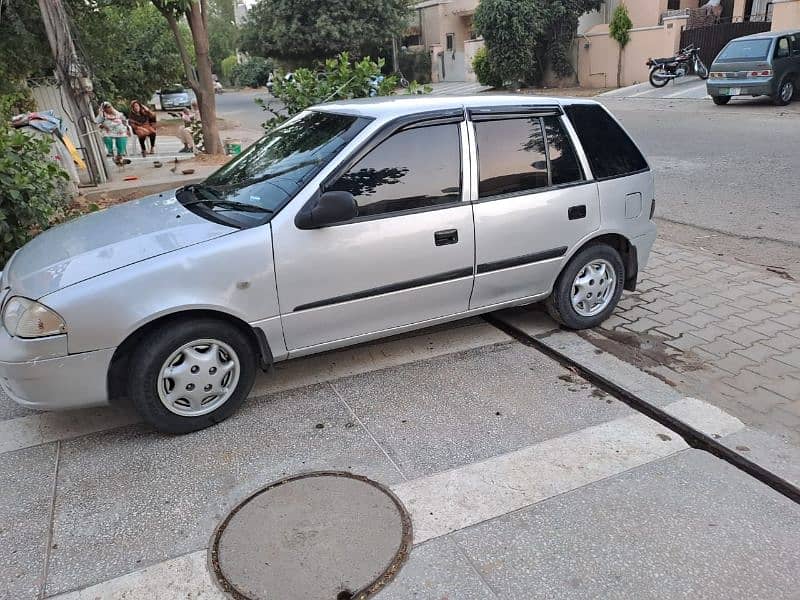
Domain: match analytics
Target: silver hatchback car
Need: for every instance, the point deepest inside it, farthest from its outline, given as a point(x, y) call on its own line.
point(352, 221)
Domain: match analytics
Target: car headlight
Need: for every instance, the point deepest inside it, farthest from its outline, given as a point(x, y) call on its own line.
point(29, 319)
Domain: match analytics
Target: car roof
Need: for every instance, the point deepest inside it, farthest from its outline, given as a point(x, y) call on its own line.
point(767, 35)
point(389, 107)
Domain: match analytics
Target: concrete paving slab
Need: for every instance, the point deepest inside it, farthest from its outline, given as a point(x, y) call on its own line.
point(461, 408)
point(131, 497)
point(11, 410)
point(690, 526)
point(25, 504)
point(773, 453)
point(437, 570)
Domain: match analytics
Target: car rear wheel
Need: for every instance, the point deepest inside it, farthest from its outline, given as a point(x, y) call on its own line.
point(588, 289)
point(657, 78)
point(721, 100)
point(785, 92)
point(191, 375)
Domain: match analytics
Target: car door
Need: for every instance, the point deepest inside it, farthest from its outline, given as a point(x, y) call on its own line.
point(532, 203)
point(407, 258)
point(782, 58)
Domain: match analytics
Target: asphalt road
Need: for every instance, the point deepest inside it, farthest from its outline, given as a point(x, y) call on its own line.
point(241, 107)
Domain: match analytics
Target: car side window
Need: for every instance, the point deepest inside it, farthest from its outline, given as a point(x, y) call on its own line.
point(511, 156)
point(782, 48)
point(610, 150)
point(415, 168)
point(564, 165)
point(795, 43)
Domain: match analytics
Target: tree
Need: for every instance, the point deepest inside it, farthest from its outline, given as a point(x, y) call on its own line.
point(304, 31)
point(200, 78)
point(620, 30)
point(525, 37)
point(223, 33)
point(21, 28)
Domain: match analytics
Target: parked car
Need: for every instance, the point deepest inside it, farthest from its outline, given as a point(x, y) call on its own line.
point(175, 97)
point(763, 64)
point(352, 221)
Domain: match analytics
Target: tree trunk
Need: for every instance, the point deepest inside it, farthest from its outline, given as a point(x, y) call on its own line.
point(184, 54)
point(619, 67)
point(206, 100)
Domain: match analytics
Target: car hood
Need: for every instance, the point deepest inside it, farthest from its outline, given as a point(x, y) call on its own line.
point(104, 241)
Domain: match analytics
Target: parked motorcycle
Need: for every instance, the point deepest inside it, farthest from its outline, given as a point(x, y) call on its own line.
point(686, 62)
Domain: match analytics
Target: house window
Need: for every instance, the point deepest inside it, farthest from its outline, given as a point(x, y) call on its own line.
point(673, 4)
point(450, 43)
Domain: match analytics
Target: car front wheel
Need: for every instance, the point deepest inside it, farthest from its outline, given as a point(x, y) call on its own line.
point(588, 289)
point(191, 374)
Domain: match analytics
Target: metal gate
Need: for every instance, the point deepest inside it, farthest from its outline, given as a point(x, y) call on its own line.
point(713, 38)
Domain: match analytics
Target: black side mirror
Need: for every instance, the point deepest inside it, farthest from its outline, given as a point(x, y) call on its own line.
point(327, 208)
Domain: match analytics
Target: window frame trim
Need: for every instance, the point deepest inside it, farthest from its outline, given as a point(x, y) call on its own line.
point(389, 129)
point(505, 115)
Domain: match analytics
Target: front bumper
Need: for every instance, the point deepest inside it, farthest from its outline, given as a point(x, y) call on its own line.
point(32, 376)
point(746, 87)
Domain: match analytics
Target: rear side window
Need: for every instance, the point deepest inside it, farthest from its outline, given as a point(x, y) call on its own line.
point(610, 151)
point(511, 156)
point(564, 166)
point(782, 48)
point(416, 168)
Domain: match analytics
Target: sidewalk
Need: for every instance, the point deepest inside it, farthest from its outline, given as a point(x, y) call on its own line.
point(723, 331)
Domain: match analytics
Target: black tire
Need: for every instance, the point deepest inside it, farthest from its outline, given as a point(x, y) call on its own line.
point(657, 83)
point(701, 70)
point(155, 348)
point(721, 100)
point(786, 91)
point(559, 304)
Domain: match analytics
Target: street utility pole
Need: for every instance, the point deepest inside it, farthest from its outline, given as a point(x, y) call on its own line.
point(75, 84)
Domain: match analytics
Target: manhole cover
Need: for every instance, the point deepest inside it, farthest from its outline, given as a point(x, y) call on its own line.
point(317, 536)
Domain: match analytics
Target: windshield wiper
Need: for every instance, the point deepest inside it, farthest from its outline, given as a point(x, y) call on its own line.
point(207, 195)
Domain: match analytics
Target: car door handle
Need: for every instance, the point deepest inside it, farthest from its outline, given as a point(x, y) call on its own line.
point(446, 237)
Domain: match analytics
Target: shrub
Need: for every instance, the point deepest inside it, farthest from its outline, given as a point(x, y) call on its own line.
point(17, 102)
point(415, 66)
point(253, 73)
point(32, 188)
point(483, 69)
point(228, 65)
point(339, 79)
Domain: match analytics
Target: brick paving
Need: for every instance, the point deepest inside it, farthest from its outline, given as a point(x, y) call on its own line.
point(729, 333)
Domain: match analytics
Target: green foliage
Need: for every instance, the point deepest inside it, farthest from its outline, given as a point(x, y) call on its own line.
point(525, 37)
point(253, 73)
point(620, 26)
point(223, 34)
point(22, 32)
point(483, 69)
point(303, 31)
point(339, 79)
point(227, 68)
point(131, 51)
point(416, 66)
point(14, 103)
point(32, 188)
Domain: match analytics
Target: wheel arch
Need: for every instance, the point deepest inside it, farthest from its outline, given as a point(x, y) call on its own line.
point(116, 377)
point(621, 244)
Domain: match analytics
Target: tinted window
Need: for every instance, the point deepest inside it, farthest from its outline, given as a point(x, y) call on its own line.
point(795, 40)
point(276, 167)
point(782, 48)
point(564, 167)
point(610, 151)
point(743, 50)
point(412, 169)
point(511, 156)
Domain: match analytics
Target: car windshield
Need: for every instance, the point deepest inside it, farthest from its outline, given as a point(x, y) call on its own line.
point(261, 180)
point(743, 50)
point(173, 90)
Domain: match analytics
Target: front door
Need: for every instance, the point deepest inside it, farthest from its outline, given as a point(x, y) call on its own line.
point(407, 258)
point(533, 205)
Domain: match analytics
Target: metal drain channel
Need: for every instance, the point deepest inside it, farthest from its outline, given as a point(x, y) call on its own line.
point(383, 574)
point(694, 438)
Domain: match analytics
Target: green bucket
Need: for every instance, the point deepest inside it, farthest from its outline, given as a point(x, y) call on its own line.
point(233, 147)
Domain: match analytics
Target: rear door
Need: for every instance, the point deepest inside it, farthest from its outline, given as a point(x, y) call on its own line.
point(407, 258)
point(624, 179)
point(532, 203)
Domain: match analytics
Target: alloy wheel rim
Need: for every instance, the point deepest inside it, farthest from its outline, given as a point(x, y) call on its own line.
point(787, 91)
point(198, 377)
point(593, 288)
